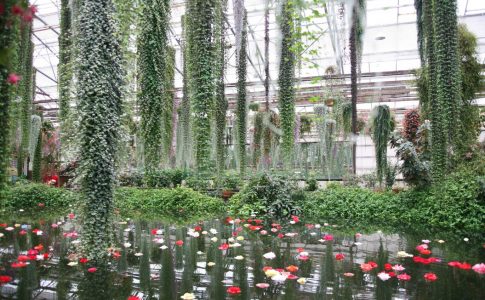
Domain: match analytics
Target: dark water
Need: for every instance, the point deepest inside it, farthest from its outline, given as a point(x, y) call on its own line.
point(42, 261)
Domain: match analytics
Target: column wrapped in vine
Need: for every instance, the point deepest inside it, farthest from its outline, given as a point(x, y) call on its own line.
point(100, 78)
point(286, 82)
point(152, 52)
point(200, 17)
point(65, 62)
point(185, 106)
point(241, 106)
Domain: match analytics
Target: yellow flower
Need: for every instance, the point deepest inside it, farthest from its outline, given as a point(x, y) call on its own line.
point(271, 273)
point(188, 296)
point(211, 264)
point(240, 238)
point(301, 280)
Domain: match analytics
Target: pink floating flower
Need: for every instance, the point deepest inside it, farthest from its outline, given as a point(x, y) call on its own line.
point(398, 268)
point(295, 219)
point(134, 298)
point(349, 274)
point(366, 267)
point(13, 78)
point(404, 277)
point(339, 256)
point(328, 237)
point(430, 277)
point(262, 285)
point(92, 270)
point(71, 216)
point(479, 268)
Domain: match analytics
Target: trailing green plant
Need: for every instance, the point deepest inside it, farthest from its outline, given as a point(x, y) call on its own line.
point(418, 5)
point(241, 114)
point(305, 124)
point(37, 157)
point(267, 197)
point(26, 94)
point(64, 68)
point(382, 126)
point(221, 101)
point(152, 65)
point(286, 78)
point(168, 178)
point(185, 110)
point(201, 55)
point(168, 105)
point(253, 106)
point(99, 78)
point(179, 204)
point(258, 137)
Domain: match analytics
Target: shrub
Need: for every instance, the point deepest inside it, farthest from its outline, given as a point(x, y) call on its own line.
point(38, 197)
point(267, 196)
point(131, 179)
point(178, 204)
point(165, 178)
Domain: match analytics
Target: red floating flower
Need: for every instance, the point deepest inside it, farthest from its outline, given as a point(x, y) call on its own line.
point(83, 260)
point(224, 246)
point(425, 252)
point(387, 267)
point(179, 243)
point(430, 277)
point(23, 258)
point(20, 264)
point(234, 290)
point(71, 216)
point(154, 231)
point(198, 228)
point(339, 256)
point(116, 255)
point(404, 277)
point(5, 279)
point(291, 277)
point(92, 270)
point(295, 219)
point(133, 298)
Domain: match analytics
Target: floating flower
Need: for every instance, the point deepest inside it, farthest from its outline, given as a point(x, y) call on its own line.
point(127, 245)
point(240, 238)
point(9, 228)
point(269, 255)
point(2, 235)
point(398, 268)
point(457, 264)
point(328, 237)
point(138, 254)
point(403, 254)
point(426, 241)
point(262, 285)
point(430, 277)
point(214, 239)
point(5, 279)
point(383, 276)
point(92, 270)
point(348, 274)
point(179, 243)
point(291, 276)
point(425, 261)
point(224, 247)
point(387, 267)
point(71, 216)
point(339, 256)
point(239, 257)
point(295, 219)
point(271, 273)
point(234, 290)
point(366, 267)
point(422, 247)
point(404, 277)
point(235, 245)
point(19, 264)
point(198, 228)
point(301, 280)
point(188, 296)
point(213, 231)
point(425, 252)
point(163, 247)
point(466, 239)
point(72, 263)
point(116, 254)
point(279, 277)
point(133, 298)
point(292, 268)
point(211, 264)
point(441, 241)
point(83, 260)
point(263, 232)
point(358, 235)
point(479, 268)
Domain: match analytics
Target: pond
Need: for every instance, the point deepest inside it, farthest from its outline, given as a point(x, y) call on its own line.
point(235, 259)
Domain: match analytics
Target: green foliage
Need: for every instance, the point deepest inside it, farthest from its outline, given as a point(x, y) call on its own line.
point(286, 78)
point(179, 204)
point(382, 127)
point(152, 71)
point(198, 183)
point(29, 196)
point(311, 184)
point(253, 106)
point(454, 205)
point(258, 137)
point(229, 181)
point(37, 164)
point(65, 71)
point(305, 124)
point(99, 78)
point(185, 107)
point(241, 114)
point(200, 58)
point(266, 196)
point(165, 178)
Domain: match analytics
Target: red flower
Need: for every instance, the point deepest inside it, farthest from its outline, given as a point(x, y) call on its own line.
point(116, 254)
point(258, 221)
point(5, 279)
point(179, 243)
point(328, 237)
point(339, 256)
point(430, 277)
point(228, 220)
point(33, 9)
point(425, 252)
point(267, 268)
point(224, 247)
point(388, 267)
point(404, 277)
point(465, 266)
point(254, 228)
point(295, 219)
point(13, 78)
point(20, 264)
point(22, 232)
point(280, 235)
point(46, 255)
point(154, 231)
point(83, 260)
point(133, 298)
point(234, 290)
point(39, 247)
point(22, 258)
point(198, 228)
point(392, 274)
point(92, 270)
point(71, 216)
point(300, 250)
point(373, 264)
point(3, 225)
point(291, 276)
point(17, 10)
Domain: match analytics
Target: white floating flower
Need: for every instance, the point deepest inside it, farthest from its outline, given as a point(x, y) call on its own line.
point(235, 245)
point(211, 264)
point(279, 278)
point(231, 240)
point(10, 228)
point(214, 239)
point(21, 210)
point(188, 296)
point(357, 243)
point(441, 241)
point(200, 252)
point(159, 240)
point(426, 241)
point(213, 231)
point(138, 254)
point(164, 247)
point(75, 242)
point(204, 232)
point(1, 235)
point(127, 229)
point(239, 257)
point(39, 257)
point(72, 264)
point(17, 225)
point(301, 280)
point(240, 238)
point(313, 233)
point(383, 276)
point(466, 239)
point(403, 254)
point(269, 255)
point(318, 226)
point(127, 245)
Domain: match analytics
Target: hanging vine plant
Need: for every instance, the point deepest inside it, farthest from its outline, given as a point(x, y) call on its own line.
point(258, 137)
point(168, 104)
point(98, 86)
point(200, 17)
point(241, 113)
point(152, 49)
point(286, 82)
point(65, 61)
point(381, 127)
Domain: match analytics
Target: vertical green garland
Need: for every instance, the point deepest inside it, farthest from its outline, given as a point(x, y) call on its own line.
point(241, 105)
point(185, 106)
point(200, 15)
point(221, 101)
point(418, 5)
point(152, 52)
point(266, 131)
point(258, 137)
point(98, 86)
point(65, 64)
point(27, 48)
point(286, 82)
point(381, 131)
point(37, 164)
point(7, 56)
point(168, 103)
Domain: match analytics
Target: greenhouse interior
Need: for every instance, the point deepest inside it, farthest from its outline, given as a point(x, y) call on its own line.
point(242, 149)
